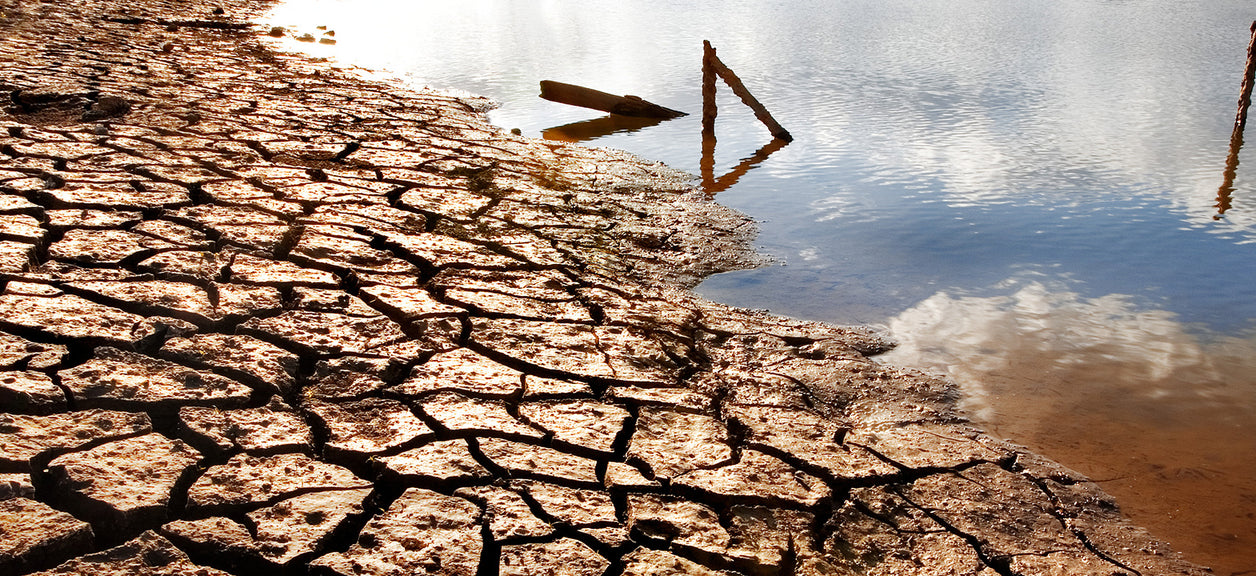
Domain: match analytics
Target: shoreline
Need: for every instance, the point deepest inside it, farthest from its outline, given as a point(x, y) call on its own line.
point(479, 348)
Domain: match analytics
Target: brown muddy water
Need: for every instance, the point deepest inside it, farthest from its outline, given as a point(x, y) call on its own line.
point(1027, 196)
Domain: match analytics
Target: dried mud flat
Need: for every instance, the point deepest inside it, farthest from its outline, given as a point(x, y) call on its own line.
point(263, 316)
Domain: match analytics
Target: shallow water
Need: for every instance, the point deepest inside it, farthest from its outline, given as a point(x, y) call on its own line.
point(1025, 195)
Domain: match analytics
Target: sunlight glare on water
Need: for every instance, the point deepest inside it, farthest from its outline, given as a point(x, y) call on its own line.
point(1026, 195)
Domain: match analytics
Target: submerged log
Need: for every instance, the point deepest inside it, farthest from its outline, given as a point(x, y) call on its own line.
point(606, 102)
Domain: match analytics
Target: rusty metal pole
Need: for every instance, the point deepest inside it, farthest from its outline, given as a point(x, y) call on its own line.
point(709, 109)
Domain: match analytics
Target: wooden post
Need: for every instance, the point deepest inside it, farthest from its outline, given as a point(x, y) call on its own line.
point(1249, 75)
point(598, 100)
point(709, 109)
point(746, 97)
point(1226, 192)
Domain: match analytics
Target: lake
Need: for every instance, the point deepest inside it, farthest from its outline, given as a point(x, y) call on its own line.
point(1027, 196)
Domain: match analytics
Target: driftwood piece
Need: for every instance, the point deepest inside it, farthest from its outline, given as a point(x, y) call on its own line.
point(606, 102)
point(740, 90)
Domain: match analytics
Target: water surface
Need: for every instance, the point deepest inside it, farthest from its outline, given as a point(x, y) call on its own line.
point(1026, 195)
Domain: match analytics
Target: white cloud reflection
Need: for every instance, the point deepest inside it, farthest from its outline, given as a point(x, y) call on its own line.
point(1071, 353)
point(1161, 416)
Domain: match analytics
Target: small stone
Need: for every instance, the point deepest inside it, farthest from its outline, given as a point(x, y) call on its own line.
point(442, 462)
point(422, 532)
point(672, 442)
point(124, 484)
point(34, 535)
point(271, 429)
point(563, 556)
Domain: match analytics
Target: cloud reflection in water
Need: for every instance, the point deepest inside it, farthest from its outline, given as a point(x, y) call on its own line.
point(1161, 414)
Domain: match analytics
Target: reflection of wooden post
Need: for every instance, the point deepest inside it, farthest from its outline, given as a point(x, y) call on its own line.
point(1225, 194)
point(713, 185)
point(708, 91)
point(1249, 75)
point(709, 58)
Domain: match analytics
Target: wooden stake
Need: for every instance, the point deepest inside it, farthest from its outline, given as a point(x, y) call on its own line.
point(1249, 75)
point(709, 110)
point(742, 92)
point(1226, 192)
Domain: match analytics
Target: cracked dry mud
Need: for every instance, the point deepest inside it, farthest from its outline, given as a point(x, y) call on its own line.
point(259, 314)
